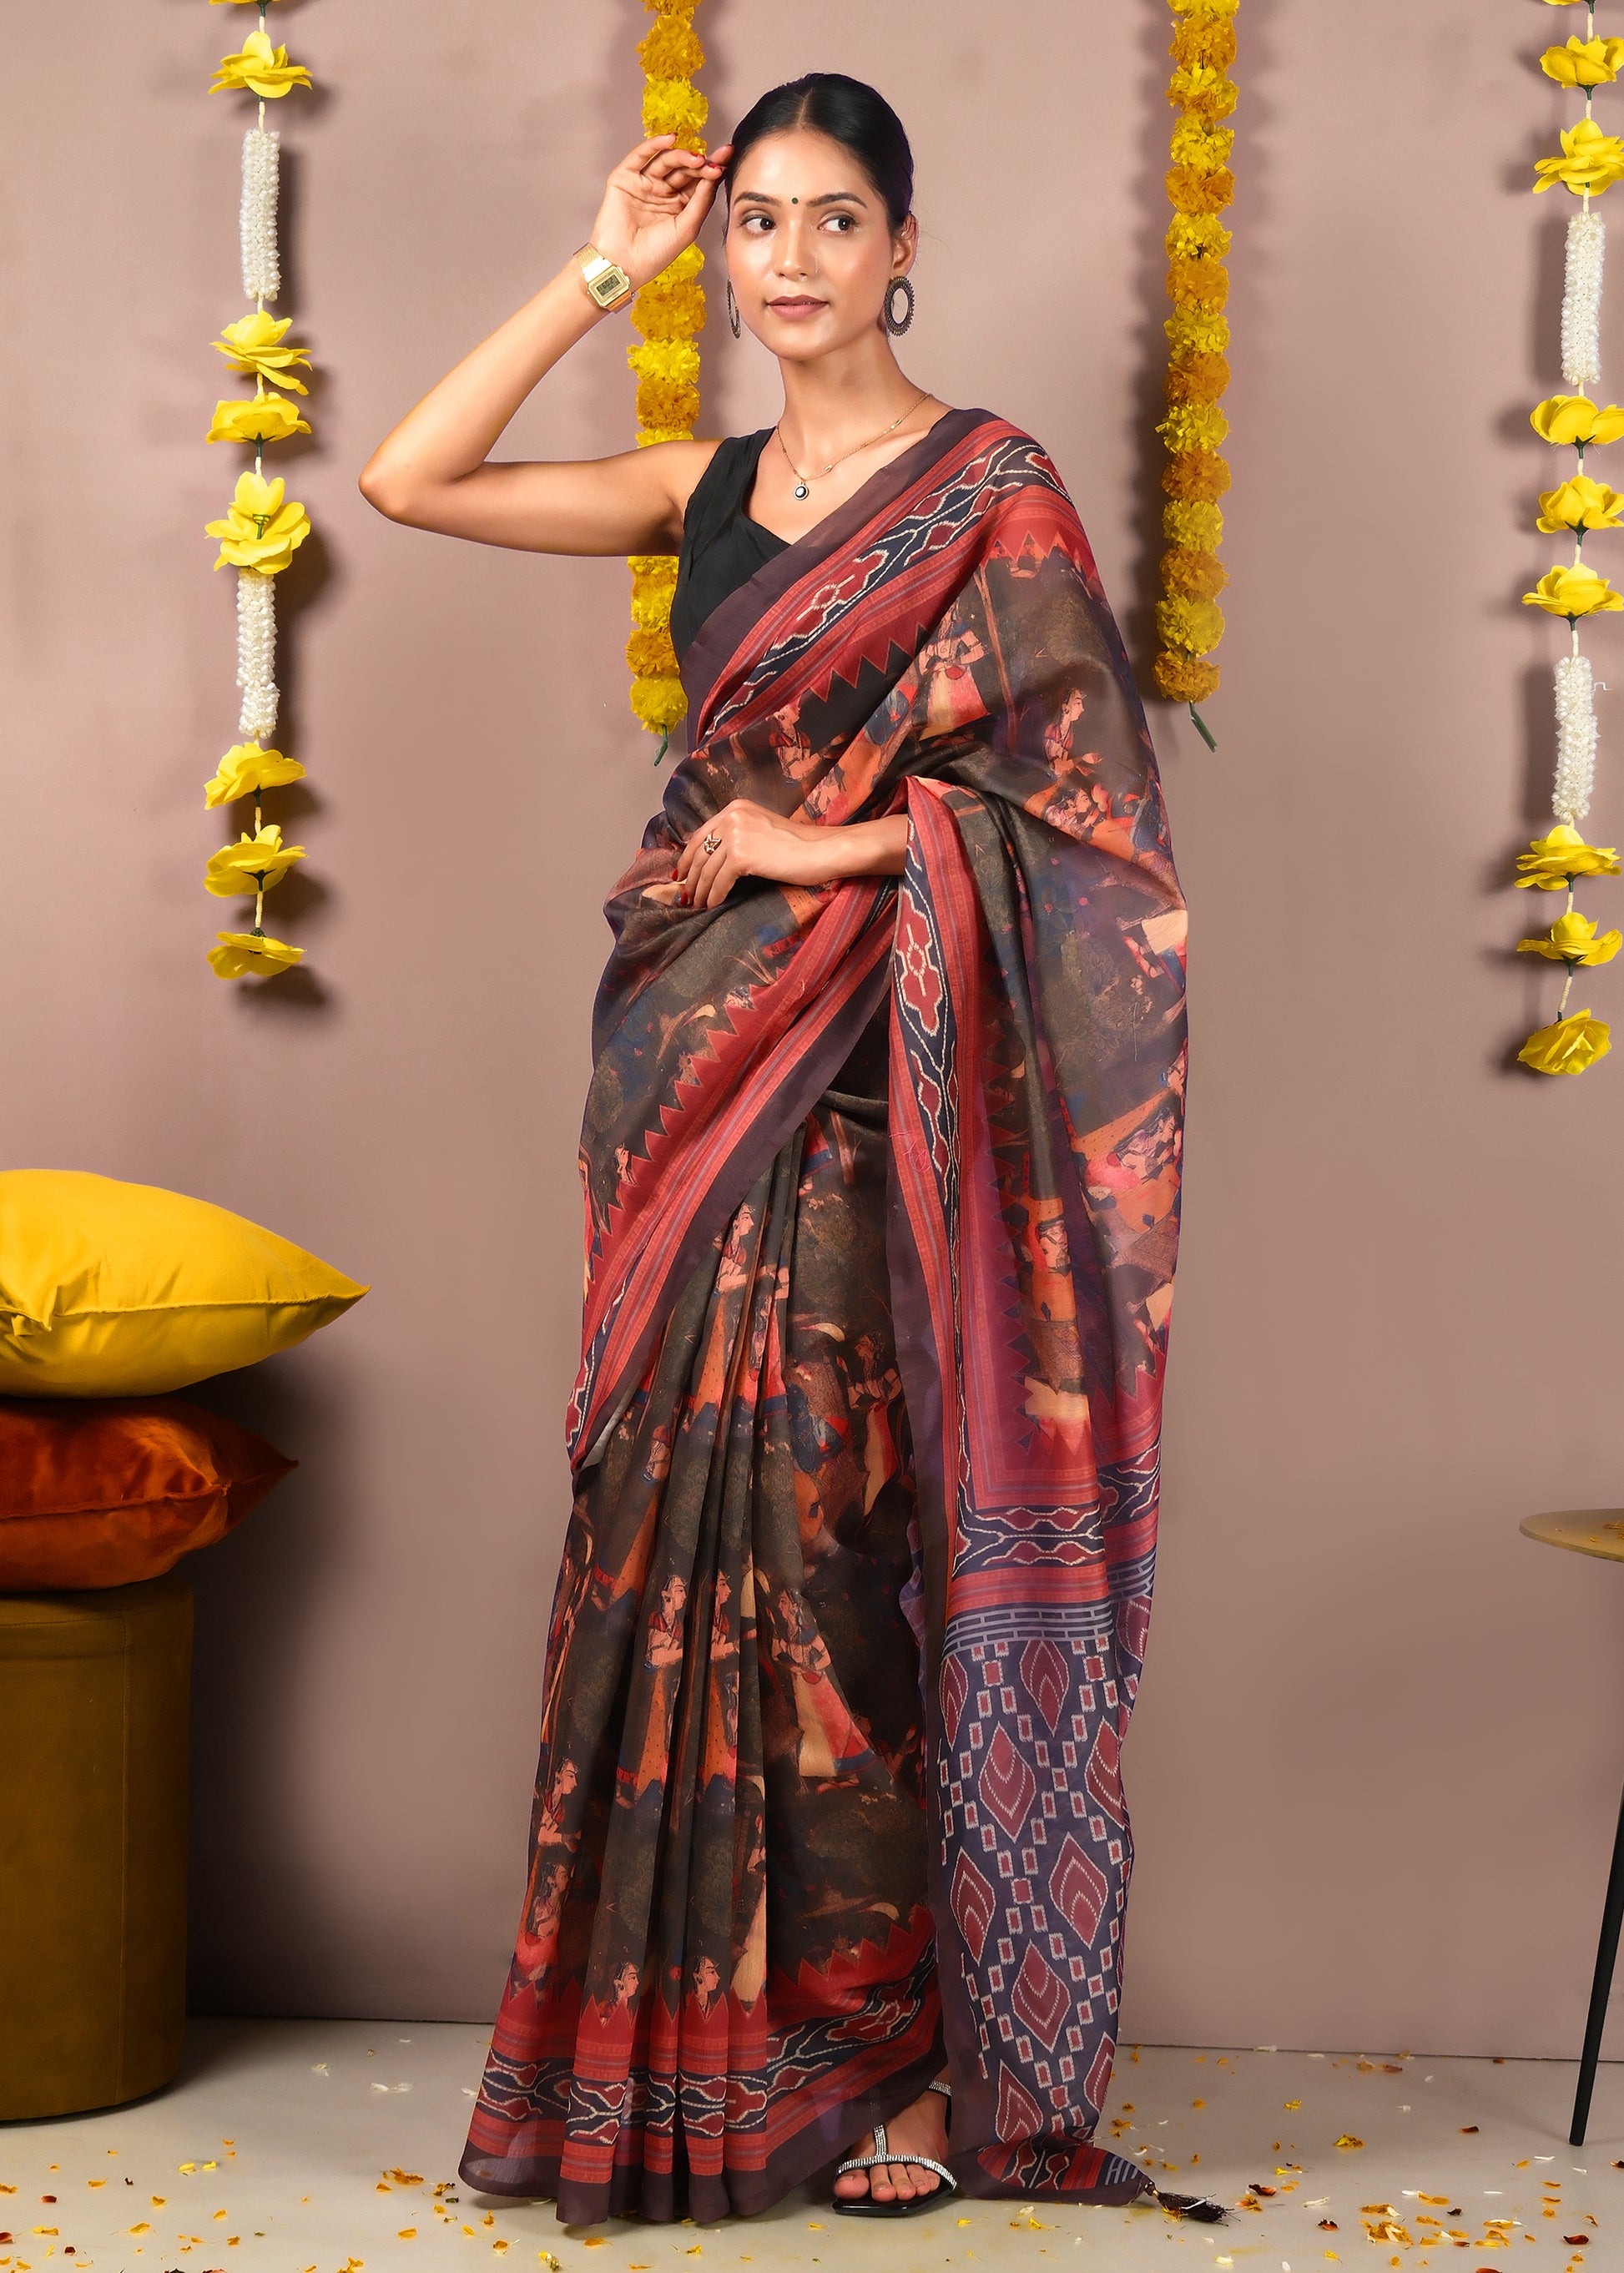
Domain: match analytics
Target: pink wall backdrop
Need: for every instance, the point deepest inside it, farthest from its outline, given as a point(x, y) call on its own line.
point(1378, 1752)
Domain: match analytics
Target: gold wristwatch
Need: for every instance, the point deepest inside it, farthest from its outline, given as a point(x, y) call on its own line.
point(606, 280)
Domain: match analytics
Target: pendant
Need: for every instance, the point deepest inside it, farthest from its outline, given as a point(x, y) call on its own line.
point(801, 490)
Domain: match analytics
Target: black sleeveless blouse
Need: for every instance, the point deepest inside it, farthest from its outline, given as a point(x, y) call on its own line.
point(722, 547)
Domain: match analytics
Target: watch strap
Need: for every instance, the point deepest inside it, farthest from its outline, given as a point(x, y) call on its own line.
point(606, 280)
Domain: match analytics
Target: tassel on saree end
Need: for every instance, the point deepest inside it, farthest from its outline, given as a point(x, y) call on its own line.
point(1201, 727)
point(1200, 2209)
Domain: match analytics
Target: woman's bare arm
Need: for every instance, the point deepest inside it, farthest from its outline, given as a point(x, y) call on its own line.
point(746, 839)
point(431, 471)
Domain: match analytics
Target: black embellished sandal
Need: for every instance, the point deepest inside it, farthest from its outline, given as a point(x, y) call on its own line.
point(899, 2206)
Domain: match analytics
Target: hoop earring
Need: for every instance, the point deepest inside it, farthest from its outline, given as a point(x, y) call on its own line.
point(899, 284)
point(732, 310)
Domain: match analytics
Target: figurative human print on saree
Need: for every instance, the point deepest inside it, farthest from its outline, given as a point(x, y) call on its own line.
point(881, 1202)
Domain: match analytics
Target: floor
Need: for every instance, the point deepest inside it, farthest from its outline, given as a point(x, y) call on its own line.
point(328, 2147)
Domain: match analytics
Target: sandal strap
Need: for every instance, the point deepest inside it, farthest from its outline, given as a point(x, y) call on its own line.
point(869, 2161)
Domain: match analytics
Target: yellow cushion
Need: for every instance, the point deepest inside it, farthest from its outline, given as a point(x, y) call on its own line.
point(109, 1289)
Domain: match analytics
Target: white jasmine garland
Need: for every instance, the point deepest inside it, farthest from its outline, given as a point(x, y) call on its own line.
point(1587, 243)
point(256, 653)
point(261, 273)
point(1575, 739)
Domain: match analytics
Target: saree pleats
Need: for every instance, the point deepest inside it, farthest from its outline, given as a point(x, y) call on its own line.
point(882, 1199)
point(730, 1651)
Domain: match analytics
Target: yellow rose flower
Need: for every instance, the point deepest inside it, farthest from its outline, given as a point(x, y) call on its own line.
point(253, 864)
point(1573, 592)
point(257, 68)
point(245, 765)
point(250, 954)
point(1572, 939)
point(1568, 1047)
point(1574, 421)
point(253, 344)
point(258, 530)
point(1551, 862)
point(1583, 62)
point(1580, 503)
point(1591, 161)
point(262, 418)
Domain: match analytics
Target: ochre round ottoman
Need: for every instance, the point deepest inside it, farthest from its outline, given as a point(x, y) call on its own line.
point(94, 1697)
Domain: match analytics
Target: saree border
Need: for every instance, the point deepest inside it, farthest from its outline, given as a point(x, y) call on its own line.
point(736, 621)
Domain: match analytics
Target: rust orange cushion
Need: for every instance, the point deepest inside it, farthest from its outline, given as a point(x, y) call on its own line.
point(104, 1490)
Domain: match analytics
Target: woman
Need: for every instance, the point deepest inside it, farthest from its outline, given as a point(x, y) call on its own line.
point(881, 1158)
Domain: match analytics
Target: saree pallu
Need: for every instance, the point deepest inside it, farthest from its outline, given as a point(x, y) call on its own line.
point(882, 1207)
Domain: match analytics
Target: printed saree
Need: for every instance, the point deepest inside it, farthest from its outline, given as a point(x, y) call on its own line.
point(882, 1206)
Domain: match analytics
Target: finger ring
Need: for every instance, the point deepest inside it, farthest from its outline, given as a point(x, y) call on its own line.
point(710, 844)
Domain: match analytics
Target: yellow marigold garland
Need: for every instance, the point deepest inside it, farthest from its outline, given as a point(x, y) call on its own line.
point(668, 313)
point(1200, 185)
point(1591, 163)
point(261, 528)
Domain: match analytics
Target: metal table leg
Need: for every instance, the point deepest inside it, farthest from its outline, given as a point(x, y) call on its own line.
point(1606, 1952)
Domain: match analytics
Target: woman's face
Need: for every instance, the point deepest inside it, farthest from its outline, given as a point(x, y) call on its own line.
point(811, 249)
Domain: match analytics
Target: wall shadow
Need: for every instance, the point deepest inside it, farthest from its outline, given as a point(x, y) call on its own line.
point(257, 1594)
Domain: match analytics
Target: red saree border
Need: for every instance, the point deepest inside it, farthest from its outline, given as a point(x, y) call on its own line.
point(1026, 1695)
point(737, 625)
point(683, 1192)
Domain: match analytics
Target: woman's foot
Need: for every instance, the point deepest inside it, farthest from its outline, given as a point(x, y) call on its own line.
point(922, 2127)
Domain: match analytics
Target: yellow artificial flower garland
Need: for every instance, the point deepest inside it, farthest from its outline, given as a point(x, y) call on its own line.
point(1200, 185)
point(261, 528)
point(668, 313)
point(1589, 164)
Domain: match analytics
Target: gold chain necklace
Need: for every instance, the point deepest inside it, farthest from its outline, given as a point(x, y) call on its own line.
point(802, 479)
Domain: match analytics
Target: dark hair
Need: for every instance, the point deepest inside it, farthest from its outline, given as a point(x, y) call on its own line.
point(851, 113)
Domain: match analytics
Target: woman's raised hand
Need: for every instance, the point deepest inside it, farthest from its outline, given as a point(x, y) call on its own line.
point(654, 204)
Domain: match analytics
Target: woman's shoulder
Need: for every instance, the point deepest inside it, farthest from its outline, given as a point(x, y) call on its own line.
point(995, 430)
point(726, 479)
point(1000, 457)
point(707, 460)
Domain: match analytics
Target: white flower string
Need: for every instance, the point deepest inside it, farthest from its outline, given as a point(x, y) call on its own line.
point(1575, 739)
point(260, 530)
point(1591, 163)
point(1587, 245)
point(261, 271)
point(256, 656)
